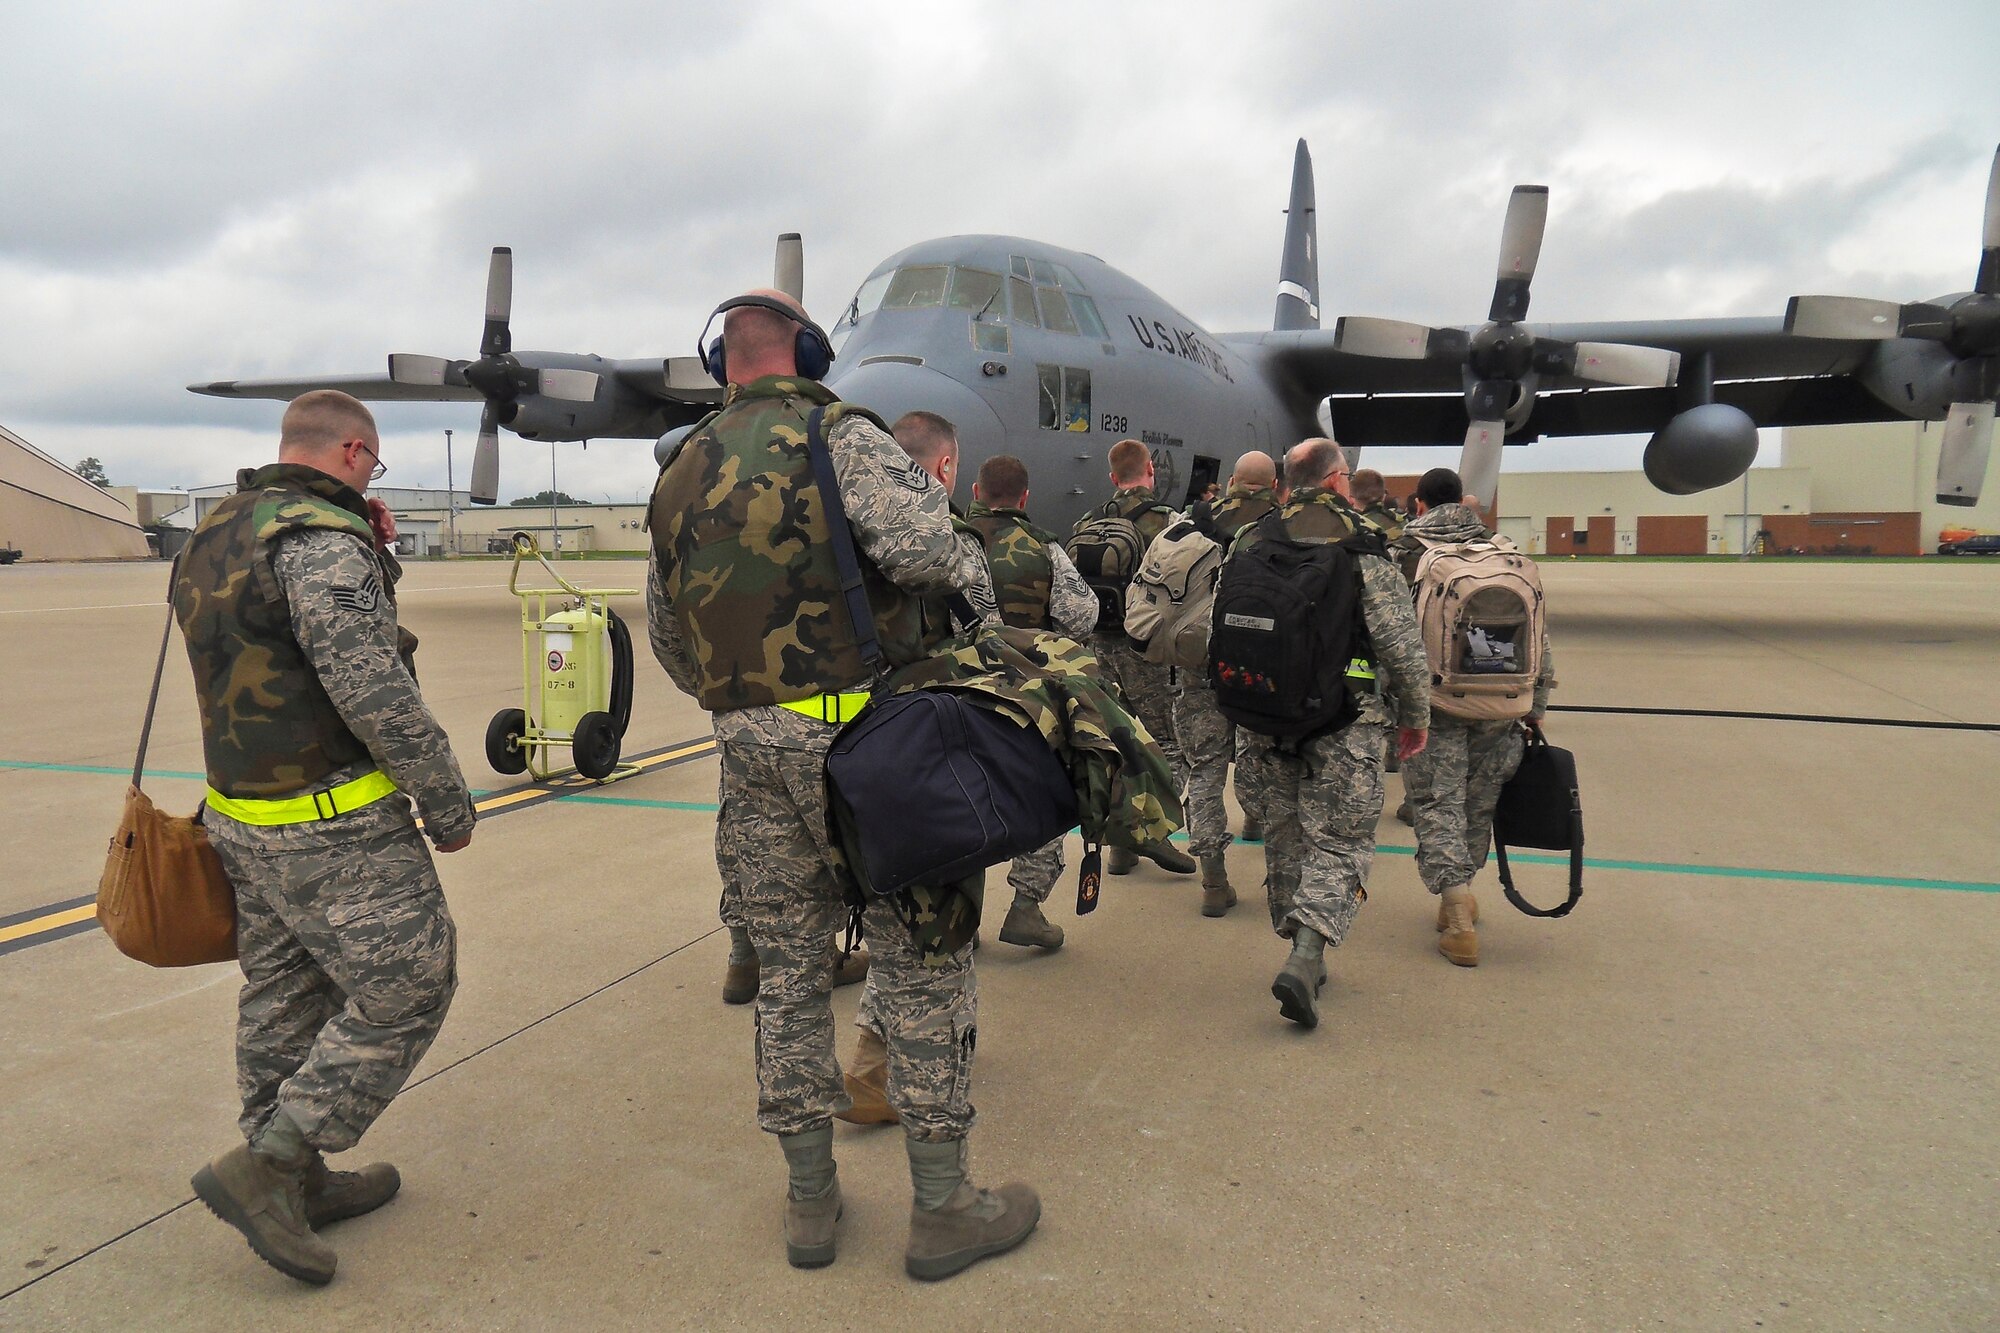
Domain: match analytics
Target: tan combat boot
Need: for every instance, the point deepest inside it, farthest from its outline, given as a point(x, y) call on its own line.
point(1442, 922)
point(852, 972)
point(1460, 940)
point(952, 1224)
point(740, 978)
point(867, 1082)
point(1025, 925)
point(812, 1198)
point(334, 1196)
point(261, 1193)
point(1217, 894)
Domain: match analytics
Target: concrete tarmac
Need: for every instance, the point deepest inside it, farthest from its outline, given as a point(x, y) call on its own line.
point(1748, 1083)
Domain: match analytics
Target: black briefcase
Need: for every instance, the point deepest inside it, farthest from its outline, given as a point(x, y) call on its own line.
point(934, 785)
point(1541, 807)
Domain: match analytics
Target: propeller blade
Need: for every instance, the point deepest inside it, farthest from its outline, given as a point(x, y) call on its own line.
point(1989, 235)
point(413, 368)
point(1919, 319)
point(1393, 339)
point(486, 459)
point(1968, 441)
point(497, 341)
point(1623, 363)
point(1479, 461)
point(571, 386)
point(1520, 251)
point(1842, 317)
point(789, 272)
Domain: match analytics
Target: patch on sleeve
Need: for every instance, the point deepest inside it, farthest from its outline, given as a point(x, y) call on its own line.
point(364, 597)
point(905, 473)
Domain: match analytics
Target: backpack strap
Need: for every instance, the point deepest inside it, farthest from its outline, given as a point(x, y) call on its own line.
point(844, 557)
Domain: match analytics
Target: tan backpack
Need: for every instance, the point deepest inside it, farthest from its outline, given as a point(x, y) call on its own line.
point(1168, 603)
point(1479, 607)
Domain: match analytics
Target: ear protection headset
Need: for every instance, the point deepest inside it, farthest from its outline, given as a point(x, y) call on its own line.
point(812, 350)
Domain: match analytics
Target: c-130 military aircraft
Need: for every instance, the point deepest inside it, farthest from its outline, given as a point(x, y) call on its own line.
point(1052, 355)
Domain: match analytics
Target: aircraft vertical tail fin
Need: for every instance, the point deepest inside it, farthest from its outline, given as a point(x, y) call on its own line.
point(1298, 273)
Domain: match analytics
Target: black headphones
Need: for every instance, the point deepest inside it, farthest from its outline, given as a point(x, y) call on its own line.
point(811, 350)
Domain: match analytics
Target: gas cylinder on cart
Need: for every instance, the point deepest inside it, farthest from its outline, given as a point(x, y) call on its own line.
point(575, 670)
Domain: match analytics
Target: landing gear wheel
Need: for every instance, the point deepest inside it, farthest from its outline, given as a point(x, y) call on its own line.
point(595, 746)
point(503, 741)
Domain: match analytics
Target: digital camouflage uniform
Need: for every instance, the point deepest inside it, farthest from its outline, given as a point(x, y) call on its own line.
point(1037, 587)
point(744, 611)
point(1455, 783)
point(347, 948)
point(1206, 738)
point(1320, 806)
point(1148, 688)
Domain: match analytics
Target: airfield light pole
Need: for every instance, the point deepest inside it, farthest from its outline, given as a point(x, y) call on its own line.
point(1743, 550)
point(555, 518)
point(450, 494)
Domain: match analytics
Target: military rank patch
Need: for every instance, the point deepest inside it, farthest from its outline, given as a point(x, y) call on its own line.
point(905, 473)
point(363, 598)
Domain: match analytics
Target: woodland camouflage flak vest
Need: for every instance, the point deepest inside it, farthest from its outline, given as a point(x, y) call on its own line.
point(1243, 506)
point(746, 556)
point(268, 729)
point(1018, 554)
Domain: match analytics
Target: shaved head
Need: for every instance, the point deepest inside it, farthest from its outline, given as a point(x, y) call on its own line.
point(1315, 462)
point(1369, 488)
point(1254, 469)
point(324, 419)
point(758, 335)
point(1002, 481)
point(926, 437)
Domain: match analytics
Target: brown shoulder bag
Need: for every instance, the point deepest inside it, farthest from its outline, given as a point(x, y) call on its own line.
point(164, 899)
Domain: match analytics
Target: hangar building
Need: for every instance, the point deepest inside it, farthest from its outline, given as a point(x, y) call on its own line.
point(47, 512)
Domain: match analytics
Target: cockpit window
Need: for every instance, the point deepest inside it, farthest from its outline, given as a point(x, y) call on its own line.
point(1018, 265)
point(864, 302)
point(1044, 273)
point(1085, 311)
point(1024, 303)
point(918, 285)
point(1055, 310)
point(975, 289)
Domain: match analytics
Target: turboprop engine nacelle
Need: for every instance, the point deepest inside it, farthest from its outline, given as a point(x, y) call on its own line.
point(1704, 447)
point(537, 417)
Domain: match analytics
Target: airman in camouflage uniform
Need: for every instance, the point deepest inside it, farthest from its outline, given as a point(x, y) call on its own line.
point(1148, 688)
point(1455, 783)
point(1207, 738)
point(316, 741)
point(1322, 803)
point(745, 612)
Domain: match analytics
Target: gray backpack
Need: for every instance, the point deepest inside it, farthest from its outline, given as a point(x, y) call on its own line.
point(1171, 597)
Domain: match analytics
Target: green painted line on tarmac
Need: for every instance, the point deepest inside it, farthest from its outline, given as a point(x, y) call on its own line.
point(699, 807)
point(96, 769)
point(1741, 872)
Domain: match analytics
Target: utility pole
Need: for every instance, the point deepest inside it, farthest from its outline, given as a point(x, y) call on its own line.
point(450, 495)
point(1743, 551)
point(555, 516)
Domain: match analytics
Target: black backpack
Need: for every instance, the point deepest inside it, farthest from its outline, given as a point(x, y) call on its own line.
point(1287, 624)
point(1106, 549)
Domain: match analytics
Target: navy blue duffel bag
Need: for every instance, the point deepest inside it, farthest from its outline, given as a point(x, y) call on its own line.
point(936, 785)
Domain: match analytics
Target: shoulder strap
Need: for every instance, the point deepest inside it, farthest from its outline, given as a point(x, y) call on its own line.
point(159, 668)
point(844, 557)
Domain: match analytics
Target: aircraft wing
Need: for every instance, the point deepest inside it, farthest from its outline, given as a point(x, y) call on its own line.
point(368, 388)
point(1778, 379)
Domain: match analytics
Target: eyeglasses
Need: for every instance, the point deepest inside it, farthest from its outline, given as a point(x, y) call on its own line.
point(381, 468)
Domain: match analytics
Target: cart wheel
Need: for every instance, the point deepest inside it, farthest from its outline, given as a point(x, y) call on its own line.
point(596, 745)
point(503, 741)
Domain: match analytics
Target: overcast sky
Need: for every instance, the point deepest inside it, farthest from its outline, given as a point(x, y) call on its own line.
point(217, 190)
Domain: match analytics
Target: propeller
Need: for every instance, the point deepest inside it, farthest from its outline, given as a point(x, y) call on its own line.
point(1968, 327)
point(789, 271)
point(497, 374)
point(1501, 361)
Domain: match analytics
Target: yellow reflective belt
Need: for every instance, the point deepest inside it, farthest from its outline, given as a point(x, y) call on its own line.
point(830, 707)
point(1361, 669)
point(307, 807)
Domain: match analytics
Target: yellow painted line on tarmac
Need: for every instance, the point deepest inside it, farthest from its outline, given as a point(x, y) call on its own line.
point(574, 782)
point(53, 921)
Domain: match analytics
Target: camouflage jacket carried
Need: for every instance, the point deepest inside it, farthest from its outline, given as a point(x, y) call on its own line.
point(744, 555)
point(268, 728)
point(1018, 554)
point(1241, 507)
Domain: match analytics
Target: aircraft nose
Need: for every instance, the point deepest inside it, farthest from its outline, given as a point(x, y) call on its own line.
point(890, 388)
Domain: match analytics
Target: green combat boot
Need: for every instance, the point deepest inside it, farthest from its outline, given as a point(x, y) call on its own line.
point(1168, 857)
point(812, 1199)
point(739, 979)
point(1298, 983)
point(1253, 829)
point(952, 1224)
point(1026, 926)
point(1217, 894)
point(334, 1196)
point(260, 1191)
point(1120, 861)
